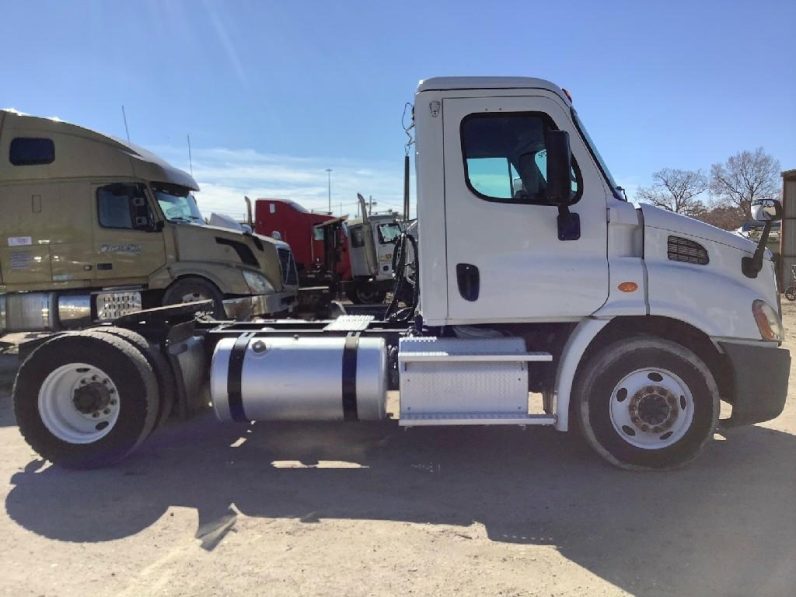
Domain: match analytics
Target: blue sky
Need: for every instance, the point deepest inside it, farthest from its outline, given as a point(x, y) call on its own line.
point(272, 93)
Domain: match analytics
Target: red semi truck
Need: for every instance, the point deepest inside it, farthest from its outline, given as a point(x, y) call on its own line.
point(355, 255)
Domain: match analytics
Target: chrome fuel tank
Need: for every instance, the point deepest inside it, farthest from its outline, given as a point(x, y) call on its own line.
point(299, 379)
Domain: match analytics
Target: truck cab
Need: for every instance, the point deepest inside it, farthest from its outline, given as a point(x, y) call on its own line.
point(372, 243)
point(535, 295)
point(94, 228)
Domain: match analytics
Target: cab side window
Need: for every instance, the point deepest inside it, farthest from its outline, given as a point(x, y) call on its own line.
point(123, 206)
point(31, 151)
point(505, 157)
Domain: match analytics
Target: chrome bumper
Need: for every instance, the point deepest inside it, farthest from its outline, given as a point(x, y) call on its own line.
point(246, 307)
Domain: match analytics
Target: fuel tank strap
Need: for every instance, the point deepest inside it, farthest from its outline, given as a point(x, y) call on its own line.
point(350, 377)
point(234, 396)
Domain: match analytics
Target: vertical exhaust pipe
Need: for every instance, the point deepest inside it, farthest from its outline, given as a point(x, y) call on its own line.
point(249, 219)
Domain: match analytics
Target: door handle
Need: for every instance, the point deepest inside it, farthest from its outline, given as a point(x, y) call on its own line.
point(469, 280)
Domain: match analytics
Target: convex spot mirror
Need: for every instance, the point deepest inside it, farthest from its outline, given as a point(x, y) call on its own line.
point(558, 190)
point(766, 210)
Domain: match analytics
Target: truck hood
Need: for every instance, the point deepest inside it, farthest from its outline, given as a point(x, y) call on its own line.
point(222, 245)
point(663, 219)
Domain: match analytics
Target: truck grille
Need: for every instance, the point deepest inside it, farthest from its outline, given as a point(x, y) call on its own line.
point(688, 251)
point(289, 273)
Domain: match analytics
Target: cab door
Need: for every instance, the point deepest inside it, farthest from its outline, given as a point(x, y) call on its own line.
point(127, 241)
point(507, 257)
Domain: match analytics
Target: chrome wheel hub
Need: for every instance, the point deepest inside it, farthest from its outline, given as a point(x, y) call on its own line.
point(651, 408)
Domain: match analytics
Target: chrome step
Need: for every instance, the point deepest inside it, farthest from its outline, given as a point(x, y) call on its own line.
point(446, 357)
point(428, 419)
point(350, 323)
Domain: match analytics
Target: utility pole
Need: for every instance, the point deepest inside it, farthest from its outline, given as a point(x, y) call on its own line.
point(329, 173)
point(371, 203)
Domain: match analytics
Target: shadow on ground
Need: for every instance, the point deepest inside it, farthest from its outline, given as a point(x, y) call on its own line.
point(730, 515)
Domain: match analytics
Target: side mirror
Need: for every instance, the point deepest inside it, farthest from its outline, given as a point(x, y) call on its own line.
point(559, 166)
point(766, 210)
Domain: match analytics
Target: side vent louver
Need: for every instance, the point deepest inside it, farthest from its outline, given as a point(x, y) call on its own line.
point(687, 251)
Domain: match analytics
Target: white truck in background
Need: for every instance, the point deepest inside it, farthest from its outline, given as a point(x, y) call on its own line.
point(532, 275)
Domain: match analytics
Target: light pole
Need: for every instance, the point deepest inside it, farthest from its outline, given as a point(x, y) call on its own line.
point(329, 174)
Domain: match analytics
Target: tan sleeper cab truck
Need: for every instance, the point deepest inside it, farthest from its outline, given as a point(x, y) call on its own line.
point(93, 228)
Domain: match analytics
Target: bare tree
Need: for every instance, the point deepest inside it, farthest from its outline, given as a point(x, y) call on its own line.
point(744, 177)
point(728, 218)
point(676, 190)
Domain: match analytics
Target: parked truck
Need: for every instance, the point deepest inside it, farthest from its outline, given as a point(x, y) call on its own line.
point(355, 255)
point(93, 228)
point(539, 297)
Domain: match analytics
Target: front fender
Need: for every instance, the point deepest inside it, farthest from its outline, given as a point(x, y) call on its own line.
point(571, 357)
point(719, 306)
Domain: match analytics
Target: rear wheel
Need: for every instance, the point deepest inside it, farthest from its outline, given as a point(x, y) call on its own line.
point(193, 288)
point(85, 400)
point(646, 403)
point(790, 293)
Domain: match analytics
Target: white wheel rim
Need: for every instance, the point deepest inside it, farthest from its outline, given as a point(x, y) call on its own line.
point(79, 403)
point(651, 408)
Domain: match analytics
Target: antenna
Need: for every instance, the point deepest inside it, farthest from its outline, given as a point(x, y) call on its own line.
point(190, 159)
point(126, 130)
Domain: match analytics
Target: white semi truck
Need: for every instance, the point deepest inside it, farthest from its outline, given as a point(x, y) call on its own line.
point(533, 277)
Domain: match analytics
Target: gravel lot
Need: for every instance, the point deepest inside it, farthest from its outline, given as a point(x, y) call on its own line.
point(209, 509)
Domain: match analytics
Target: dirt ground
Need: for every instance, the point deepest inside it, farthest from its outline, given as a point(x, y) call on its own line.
point(210, 509)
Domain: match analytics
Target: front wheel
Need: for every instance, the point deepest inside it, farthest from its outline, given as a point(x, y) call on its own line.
point(366, 294)
point(646, 403)
point(193, 288)
point(790, 293)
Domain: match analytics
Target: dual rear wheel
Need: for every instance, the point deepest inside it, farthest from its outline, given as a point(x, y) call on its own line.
point(88, 399)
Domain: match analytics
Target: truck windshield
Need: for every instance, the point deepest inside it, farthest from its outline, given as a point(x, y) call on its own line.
point(596, 154)
point(177, 204)
point(388, 233)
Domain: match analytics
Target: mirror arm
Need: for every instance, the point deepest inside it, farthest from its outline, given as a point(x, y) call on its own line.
point(751, 266)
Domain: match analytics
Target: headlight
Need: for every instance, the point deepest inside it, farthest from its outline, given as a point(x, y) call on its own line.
point(257, 283)
point(768, 321)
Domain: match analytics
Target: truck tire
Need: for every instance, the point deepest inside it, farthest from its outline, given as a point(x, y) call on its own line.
point(85, 400)
point(166, 383)
point(366, 294)
point(194, 288)
point(646, 403)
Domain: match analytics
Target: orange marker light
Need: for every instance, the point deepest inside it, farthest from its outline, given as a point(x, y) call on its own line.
point(628, 287)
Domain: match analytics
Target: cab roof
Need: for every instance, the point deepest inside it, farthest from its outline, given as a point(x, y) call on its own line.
point(81, 152)
point(465, 83)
